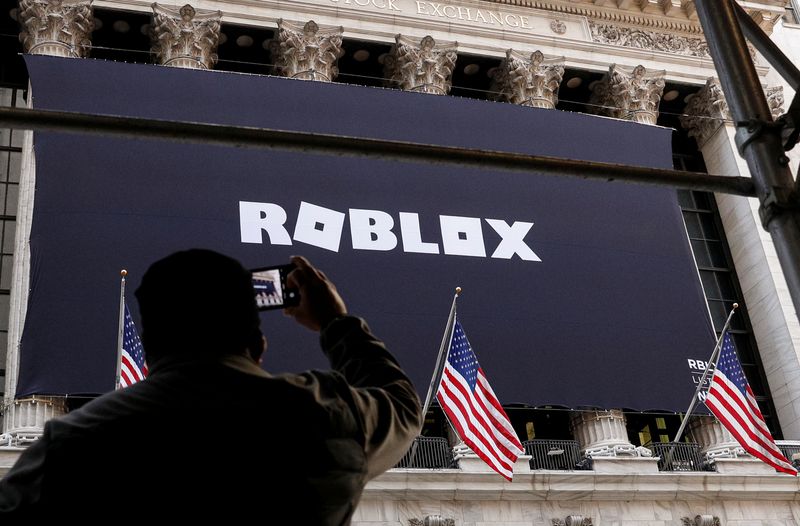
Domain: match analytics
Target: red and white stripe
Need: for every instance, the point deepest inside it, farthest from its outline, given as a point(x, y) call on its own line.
point(129, 372)
point(480, 420)
point(742, 418)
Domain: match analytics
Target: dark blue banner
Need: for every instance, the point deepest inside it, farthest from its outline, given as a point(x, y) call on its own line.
point(575, 292)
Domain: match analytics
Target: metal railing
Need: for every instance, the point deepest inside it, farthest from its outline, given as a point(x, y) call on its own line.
point(428, 453)
point(684, 456)
point(555, 454)
point(790, 449)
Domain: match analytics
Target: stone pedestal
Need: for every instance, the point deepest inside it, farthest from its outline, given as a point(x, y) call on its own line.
point(60, 28)
point(469, 462)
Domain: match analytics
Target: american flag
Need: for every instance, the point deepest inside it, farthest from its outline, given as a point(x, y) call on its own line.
point(733, 403)
point(132, 368)
point(474, 410)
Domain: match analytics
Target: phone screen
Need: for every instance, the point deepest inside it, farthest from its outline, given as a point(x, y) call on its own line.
point(269, 287)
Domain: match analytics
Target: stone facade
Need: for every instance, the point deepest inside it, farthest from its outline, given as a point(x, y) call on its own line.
point(643, 44)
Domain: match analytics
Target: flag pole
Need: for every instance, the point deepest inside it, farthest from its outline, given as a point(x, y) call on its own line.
point(437, 371)
point(117, 379)
point(711, 364)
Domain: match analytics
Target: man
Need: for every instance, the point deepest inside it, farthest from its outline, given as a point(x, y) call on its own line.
point(209, 434)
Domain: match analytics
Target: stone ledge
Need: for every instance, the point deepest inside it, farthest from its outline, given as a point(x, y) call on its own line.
point(405, 484)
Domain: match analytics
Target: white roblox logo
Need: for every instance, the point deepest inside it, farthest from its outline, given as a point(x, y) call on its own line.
point(373, 230)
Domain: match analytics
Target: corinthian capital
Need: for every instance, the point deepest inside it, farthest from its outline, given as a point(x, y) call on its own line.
point(630, 94)
point(425, 67)
point(185, 38)
point(705, 112)
point(528, 81)
point(307, 52)
point(60, 28)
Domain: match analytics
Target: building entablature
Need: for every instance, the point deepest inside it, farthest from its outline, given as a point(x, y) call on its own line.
point(589, 34)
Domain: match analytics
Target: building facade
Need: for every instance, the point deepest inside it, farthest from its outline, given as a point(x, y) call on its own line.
point(639, 60)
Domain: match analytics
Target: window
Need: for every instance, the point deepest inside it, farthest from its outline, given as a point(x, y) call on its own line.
point(721, 287)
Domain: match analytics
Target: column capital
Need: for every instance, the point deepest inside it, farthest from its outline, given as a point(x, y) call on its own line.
point(529, 81)
point(61, 28)
point(630, 94)
point(307, 51)
point(426, 67)
point(184, 37)
point(705, 112)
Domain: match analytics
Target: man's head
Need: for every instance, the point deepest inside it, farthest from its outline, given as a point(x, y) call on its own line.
point(199, 303)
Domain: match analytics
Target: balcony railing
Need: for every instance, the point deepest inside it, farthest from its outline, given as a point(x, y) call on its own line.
point(428, 453)
point(555, 454)
point(791, 450)
point(680, 456)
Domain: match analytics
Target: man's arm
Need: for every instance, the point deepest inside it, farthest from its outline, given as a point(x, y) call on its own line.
point(382, 396)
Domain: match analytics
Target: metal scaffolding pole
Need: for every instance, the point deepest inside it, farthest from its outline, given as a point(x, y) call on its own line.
point(250, 137)
point(757, 137)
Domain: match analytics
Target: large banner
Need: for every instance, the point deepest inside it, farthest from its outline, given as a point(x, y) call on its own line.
point(576, 293)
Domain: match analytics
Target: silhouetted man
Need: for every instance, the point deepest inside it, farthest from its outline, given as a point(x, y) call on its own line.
point(210, 434)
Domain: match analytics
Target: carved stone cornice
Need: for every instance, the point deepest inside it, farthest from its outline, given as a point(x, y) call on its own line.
point(60, 28)
point(775, 100)
point(572, 520)
point(630, 94)
point(184, 37)
point(307, 52)
point(701, 520)
point(616, 35)
point(425, 67)
point(432, 520)
point(669, 15)
point(528, 81)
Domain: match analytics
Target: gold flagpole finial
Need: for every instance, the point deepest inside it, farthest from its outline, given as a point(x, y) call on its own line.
point(735, 306)
point(123, 273)
point(458, 291)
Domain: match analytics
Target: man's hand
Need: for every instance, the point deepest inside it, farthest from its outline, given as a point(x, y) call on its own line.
point(319, 301)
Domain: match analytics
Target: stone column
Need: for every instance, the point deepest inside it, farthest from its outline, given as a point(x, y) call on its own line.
point(527, 81)
point(307, 52)
point(25, 418)
point(603, 437)
point(629, 94)
point(721, 450)
point(60, 28)
point(764, 288)
point(185, 38)
point(714, 440)
point(426, 67)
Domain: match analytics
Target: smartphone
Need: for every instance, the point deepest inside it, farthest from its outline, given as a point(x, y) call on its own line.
point(269, 287)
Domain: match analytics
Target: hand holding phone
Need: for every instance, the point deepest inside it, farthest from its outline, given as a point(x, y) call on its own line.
point(320, 302)
point(270, 289)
